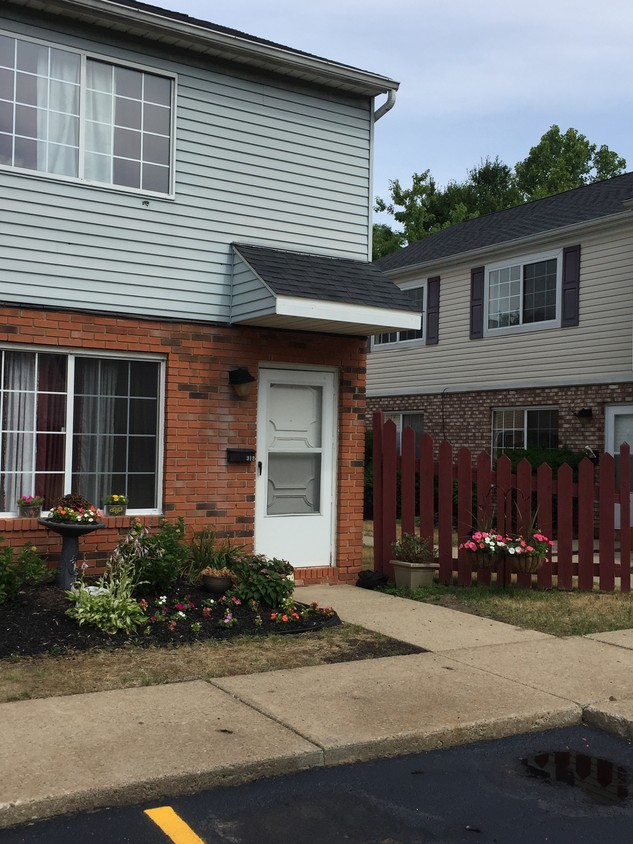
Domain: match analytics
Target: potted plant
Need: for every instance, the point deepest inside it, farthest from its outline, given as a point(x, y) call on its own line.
point(30, 506)
point(216, 580)
point(415, 561)
point(484, 548)
point(116, 504)
point(527, 554)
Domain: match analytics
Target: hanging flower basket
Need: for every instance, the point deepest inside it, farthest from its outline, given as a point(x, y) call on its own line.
point(482, 560)
point(526, 563)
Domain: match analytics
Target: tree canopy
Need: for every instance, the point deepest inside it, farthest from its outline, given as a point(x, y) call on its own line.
point(559, 162)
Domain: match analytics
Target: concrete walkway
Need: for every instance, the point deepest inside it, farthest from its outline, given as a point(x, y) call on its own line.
point(480, 679)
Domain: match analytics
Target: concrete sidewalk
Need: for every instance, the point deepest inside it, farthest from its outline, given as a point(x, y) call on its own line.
point(480, 679)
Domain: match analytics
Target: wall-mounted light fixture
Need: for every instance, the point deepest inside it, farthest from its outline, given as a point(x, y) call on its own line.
point(584, 413)
point(241, 380)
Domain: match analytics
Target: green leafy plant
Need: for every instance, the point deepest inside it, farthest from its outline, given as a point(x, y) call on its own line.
point(110, 604)
point(115, 498)
point(411, 548)
point(157, 558)
point(28, 569)
point(75, 509)
point(30, 501)
point(262, 579)
point(206, 553)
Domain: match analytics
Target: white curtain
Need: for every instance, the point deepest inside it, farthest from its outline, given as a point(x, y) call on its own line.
point(18, 452)
point(94, 430)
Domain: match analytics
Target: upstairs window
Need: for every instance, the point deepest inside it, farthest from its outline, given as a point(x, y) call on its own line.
point(523, 294)
point(67, 114)
point(417, 295)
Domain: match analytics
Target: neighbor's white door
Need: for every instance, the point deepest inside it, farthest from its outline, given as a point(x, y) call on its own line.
point(296, 460)
point(618, 430)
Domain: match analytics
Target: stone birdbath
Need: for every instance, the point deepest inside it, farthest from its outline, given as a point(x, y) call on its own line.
point(70, 533)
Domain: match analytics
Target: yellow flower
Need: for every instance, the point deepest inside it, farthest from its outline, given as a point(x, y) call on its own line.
point(115, 497)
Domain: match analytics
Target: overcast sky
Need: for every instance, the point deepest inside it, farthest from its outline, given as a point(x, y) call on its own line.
point(478, 77)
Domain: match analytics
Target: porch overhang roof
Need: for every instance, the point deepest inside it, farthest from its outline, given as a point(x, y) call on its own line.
point(279, 288)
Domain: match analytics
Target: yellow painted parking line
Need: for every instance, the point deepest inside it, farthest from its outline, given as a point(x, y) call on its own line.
point(173, 826)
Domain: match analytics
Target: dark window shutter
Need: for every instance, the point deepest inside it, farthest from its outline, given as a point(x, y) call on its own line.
point(477, 303)
point(571, 287)
point(433, 311)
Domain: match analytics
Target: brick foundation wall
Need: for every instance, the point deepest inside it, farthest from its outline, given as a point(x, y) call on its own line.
point(466, 418)
point(203, 418)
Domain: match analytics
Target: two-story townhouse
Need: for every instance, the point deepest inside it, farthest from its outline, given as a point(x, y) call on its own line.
point(184, 215)
point(526, 337)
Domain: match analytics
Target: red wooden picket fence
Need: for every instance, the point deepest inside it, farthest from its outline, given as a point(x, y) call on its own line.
point(579, 516)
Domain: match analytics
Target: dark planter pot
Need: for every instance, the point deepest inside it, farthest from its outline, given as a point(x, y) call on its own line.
point(115, 509)
point(70, 533)
point(216, 585)
point(30, 512)
point(525, 563)
point(481, 561)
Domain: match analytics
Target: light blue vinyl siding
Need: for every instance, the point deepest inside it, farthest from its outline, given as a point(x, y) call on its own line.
point(251, 297)
point(256, 161)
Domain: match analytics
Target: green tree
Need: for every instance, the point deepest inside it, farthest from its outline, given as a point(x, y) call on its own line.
point(561, 162)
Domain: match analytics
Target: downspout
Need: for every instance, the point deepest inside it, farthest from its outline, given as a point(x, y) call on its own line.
point(386, 106)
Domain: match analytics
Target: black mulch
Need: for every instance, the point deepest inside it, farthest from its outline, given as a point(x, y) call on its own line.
point(36, 622)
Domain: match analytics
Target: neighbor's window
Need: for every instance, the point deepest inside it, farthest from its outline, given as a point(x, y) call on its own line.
point(82, 424)
point(67, 114)
point(408, 420)
point(524, 293)
point(417, 296)
point(524, 428)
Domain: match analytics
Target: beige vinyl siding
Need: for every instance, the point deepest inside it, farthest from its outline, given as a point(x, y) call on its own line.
point(598, 350)
point(257, 160)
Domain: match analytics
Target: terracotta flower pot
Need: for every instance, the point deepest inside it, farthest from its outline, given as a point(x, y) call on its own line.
point(216, 584)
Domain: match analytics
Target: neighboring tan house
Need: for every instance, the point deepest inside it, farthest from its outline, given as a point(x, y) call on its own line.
point(183, 205)
point(527, 333)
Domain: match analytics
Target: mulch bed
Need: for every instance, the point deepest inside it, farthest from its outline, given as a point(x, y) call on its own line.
point(35, 622)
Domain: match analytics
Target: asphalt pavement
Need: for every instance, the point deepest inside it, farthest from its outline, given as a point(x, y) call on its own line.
point(479, 680)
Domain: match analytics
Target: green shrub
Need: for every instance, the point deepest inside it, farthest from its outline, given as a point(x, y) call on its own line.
point(156, 558)
point(28, 569)
point(263, 580)
point(110, 605)
point(411, 548)
point(205, 553)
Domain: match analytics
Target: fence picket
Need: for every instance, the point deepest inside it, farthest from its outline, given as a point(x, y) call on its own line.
point(378, 421)
point(625, 518)
point(484, 506)
point(389, 490)
point(564, 550)
point(407, 481)
point(445, 511)
point(524, 510)
point(464, 512)
point(607, 523)
point(504, 512)
point(585, 525)
point(544, 520)
point(427, 488)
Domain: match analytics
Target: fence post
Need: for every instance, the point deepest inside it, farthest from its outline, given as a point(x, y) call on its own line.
point(389, 493)
point(564, 486)
point(427, 489)
point(504, 512)
point(544, 520)
point(524, 510)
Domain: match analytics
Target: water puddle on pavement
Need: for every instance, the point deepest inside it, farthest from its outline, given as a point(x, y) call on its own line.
point(601, 780)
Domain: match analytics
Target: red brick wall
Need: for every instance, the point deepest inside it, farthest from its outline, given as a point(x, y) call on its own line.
point(466, 418)
point(203, 418)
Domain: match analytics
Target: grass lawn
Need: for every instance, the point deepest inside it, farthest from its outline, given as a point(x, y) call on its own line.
point(557, 613)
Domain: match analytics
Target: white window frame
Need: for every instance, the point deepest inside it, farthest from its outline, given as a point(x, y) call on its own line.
point(72, 354)
point(82, 117)
point(521, 261)
point(415, 341)
point(397, 416)
point(525, 409)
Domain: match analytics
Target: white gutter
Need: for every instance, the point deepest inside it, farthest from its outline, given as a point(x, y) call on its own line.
point(235, 47)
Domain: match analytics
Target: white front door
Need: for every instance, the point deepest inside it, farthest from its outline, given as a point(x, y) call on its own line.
point(296, 466)
point(618, 430)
